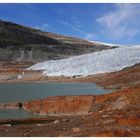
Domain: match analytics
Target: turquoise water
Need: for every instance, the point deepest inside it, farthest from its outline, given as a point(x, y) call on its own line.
point(16, 114)
point(19, 92)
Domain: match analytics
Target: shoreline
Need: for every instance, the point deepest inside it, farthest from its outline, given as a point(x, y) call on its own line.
point(114, 114)
point(104, 119)
point(115, 80)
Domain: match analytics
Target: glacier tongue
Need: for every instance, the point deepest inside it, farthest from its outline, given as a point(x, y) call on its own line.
point(93, 63)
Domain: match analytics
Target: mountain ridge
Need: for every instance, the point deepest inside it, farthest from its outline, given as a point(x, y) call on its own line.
point(22, 44)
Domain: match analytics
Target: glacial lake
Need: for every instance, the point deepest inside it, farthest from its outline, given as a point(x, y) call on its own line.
point(19, 92)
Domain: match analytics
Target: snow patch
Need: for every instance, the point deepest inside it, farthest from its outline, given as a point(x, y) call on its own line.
point(93, 63)
point(108, 44)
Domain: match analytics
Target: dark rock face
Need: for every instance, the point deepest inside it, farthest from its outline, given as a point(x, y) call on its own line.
point(14, 34)
point(10, 105)
point(19, 43)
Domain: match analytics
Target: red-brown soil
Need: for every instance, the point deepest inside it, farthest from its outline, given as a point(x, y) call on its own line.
point(77, 105)
point(114, 114)
point(61, 105)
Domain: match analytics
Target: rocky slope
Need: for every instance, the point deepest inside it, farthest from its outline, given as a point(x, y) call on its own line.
point(22, 44)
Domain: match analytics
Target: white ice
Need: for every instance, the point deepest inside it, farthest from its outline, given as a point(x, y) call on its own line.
point(93, 63)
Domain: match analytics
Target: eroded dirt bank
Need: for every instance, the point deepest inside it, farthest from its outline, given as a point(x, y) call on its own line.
point(63, 105)
point(115, 114)
point(77, 105)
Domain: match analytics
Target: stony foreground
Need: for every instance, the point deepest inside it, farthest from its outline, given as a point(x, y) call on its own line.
point(115, 114)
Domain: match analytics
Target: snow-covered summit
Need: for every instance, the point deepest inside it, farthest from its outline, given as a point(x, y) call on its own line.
point(93, 63)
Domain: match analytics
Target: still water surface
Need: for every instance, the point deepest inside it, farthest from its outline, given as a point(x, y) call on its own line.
point(19, 92)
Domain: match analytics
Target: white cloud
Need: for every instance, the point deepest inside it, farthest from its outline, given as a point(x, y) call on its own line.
point(87, 35)
point(77, 29)
point(90, 36)
point(76, 22)
point(122, 22)
point(43, 26)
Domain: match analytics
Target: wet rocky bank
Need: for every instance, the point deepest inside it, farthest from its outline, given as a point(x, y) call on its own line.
point(115, 114)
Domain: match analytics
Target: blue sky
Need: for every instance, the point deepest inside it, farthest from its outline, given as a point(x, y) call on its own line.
point(112, 23)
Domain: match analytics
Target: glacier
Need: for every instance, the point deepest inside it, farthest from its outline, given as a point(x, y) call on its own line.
point(94, 63)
